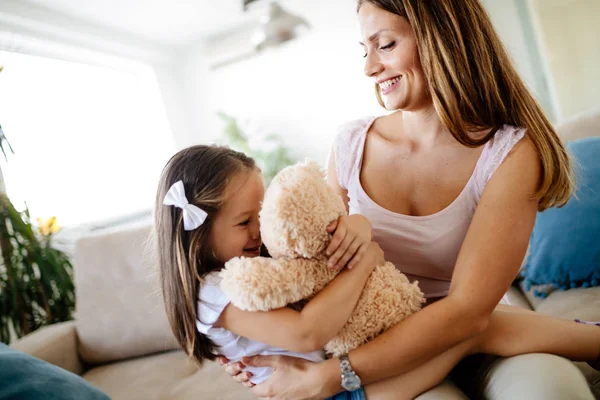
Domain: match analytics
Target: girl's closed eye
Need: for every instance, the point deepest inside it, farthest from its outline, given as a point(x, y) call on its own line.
point(245, 222)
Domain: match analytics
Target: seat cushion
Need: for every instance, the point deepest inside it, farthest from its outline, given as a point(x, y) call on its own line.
point(166, 376)
point(516, 298)
point(25, 377)
point(580, 126)
point(571, 304)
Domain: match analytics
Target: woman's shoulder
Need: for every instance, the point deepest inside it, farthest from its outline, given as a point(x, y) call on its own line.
point(506, 137)
point(503, 143)
point(507, 140)
point(346, 147)
point(352, 130)
point(514, 142)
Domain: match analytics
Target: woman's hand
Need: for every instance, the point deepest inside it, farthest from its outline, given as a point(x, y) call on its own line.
point(351, 236)
point(293, 378)
point(236, 370)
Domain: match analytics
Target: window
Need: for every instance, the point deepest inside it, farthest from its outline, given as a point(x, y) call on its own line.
point(89, 141)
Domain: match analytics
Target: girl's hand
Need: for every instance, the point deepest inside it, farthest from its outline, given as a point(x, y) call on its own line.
point(236, 370)
point(351, 235)
point(373, 256)
point(293, 378)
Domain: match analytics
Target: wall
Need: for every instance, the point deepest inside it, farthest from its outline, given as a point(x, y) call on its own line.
point(506, 19)
point(306, 88)
point(512, 20)
point(569, 35)
point(302, 90)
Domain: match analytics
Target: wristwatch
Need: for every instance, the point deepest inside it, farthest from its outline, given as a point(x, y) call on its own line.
point(350, 381)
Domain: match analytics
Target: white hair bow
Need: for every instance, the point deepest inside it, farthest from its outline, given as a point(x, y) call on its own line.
point(193, 216)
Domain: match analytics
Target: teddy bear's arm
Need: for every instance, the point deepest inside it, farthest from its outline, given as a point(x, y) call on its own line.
point(262, 284)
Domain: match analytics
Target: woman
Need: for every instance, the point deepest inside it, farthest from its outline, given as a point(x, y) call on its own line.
point(451, 182)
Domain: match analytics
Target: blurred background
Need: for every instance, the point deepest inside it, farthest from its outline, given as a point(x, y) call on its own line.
point(95, 96)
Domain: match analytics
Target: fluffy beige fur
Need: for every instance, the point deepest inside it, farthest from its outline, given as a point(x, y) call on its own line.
point(297, 208)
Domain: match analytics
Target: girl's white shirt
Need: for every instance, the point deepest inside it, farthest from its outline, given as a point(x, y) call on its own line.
point(211, 303)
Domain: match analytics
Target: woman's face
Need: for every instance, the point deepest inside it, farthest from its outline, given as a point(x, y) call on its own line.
point(391, 59)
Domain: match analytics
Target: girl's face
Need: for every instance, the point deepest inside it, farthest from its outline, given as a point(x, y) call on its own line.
point(392, 59)
point(236, 228)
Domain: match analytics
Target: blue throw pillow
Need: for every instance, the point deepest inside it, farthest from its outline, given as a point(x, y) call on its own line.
point(564, 249)
point(24, 377)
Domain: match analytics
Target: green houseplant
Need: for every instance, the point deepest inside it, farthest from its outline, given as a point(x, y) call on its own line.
point(270, 161)
point(36, 280)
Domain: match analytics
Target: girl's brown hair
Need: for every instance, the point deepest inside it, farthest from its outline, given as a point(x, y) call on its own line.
point(184, 257)
point(474, 85)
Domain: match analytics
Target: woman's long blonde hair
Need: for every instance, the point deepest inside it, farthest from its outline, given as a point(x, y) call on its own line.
point(474, 85)
point(185, 257)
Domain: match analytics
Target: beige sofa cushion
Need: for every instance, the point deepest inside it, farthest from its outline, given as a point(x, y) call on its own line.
point(581, 126)
point(166, 376)
point(574, 303)
point(120, 313)
point(516, 298)
point(571, 304)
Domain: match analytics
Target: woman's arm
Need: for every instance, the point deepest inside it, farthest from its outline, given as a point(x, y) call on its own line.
point(318, 322)
point(487, 264)
point(489, 259)
point(351, 233)
point(332, 179)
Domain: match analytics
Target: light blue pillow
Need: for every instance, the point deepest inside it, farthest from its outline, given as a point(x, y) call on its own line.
point(564, 249)
point(23, 377)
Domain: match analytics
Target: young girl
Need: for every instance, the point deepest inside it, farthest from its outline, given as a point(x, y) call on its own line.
point(207, 212)
point(207, 209)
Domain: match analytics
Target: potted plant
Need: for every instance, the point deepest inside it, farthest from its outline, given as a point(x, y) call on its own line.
point(36, 280)
point(270, 161)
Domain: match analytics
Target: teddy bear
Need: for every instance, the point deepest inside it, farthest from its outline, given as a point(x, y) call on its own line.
point(298, 206)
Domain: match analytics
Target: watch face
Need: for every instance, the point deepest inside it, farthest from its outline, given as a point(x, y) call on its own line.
point(351, 382)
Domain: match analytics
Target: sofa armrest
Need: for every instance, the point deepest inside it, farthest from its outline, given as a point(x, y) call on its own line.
point(56, 344)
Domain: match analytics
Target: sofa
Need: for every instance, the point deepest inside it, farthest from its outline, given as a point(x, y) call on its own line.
point(120, 340)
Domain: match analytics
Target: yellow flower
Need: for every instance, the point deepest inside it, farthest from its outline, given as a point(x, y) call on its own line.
point(48, 227)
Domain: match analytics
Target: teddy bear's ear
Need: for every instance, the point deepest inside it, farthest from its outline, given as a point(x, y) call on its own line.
point(262, 284)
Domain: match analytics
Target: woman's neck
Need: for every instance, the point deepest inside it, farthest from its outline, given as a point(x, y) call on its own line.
point(422, 127)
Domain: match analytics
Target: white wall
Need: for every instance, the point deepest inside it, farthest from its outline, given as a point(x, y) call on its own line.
point(569, 35)
point(512, 20)
point(306, 88)
point(302, 90)
point(506, 20)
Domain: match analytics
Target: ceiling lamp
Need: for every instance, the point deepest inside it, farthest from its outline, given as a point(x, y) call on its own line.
point(277, 26)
